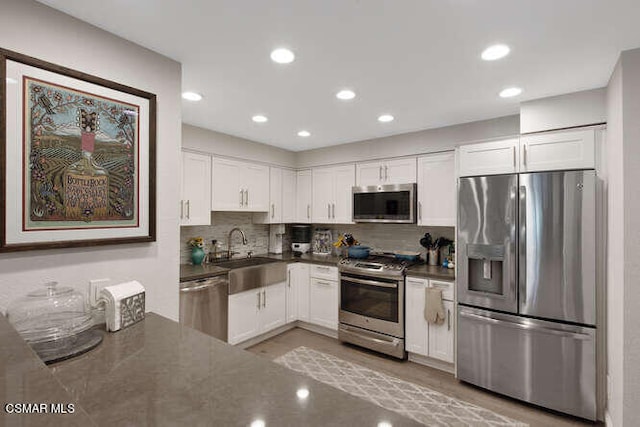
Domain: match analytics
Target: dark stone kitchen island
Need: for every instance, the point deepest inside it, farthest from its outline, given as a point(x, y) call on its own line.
point(160, 373)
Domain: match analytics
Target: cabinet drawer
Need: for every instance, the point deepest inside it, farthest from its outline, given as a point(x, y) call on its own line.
point(324, 272)
point(447, 288)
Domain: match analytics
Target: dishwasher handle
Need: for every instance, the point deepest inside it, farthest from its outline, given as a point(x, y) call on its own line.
point(199, 285)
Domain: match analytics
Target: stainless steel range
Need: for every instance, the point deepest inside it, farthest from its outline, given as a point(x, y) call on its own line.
point(372, 303)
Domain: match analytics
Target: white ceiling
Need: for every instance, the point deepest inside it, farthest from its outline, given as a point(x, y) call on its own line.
point(415, 59)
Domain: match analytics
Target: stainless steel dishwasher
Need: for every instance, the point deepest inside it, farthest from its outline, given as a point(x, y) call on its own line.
point(204, 305)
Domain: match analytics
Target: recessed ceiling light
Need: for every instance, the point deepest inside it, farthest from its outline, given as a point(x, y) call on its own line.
point(11, 81)
point(510, 92)
point(191, 96)
point(496, 51)
point(258, 423)
point(346, 94)
point(282, 56)
point(386, 118)
point(302, 393)
point(384, 424)
point(304, 133)
point(259, 118)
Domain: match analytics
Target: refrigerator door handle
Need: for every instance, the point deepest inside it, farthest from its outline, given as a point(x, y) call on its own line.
point(522, 272)
point(527, 327)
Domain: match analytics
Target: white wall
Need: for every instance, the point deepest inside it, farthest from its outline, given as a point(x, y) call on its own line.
point(613, 172)
point(631, 167)
point(208, 141)
point(623, 261)
point(426, 141)
point(31, 28)
point(583, 108)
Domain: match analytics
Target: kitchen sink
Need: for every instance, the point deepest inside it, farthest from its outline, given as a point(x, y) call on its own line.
point(252, 273)
point(244, 262)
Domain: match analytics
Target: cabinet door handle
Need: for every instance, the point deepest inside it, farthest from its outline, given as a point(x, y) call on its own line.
point(328, 210)
point(273, 212)
point(264, 299)
point(258, 300)
point(514, 156)
point(181, 209)
point(188, 209)
point(308, 211)
point(319, 282)
point(380, 174)
point(333, 215)
point(420, 211)
point(448, 320)
point(524, 154)
point(386, 175)
point(289, 281)
point(241, 197)
point(246, 202)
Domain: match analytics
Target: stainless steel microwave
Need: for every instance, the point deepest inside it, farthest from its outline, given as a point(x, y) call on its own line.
point(385, 203)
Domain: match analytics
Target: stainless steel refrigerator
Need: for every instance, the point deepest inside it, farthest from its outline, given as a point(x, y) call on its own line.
point(526, 287)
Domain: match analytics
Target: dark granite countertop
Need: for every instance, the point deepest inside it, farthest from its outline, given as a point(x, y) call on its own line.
point(160, 373)
point(308, 258)
point(24, 379)
point(432, 272)
point(195, 272)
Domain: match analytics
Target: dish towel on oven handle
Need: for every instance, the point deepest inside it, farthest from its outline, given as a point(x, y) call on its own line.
point(433, 306)
point(125, 304)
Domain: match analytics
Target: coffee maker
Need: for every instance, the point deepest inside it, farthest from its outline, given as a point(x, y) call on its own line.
point(300, 238)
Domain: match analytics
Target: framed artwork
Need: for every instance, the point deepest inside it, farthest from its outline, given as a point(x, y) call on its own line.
point(77, 155)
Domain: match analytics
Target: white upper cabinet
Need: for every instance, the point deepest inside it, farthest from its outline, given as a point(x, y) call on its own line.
point(282, 198)
point(396, 171)
point(573, 149)
point(437, 190)
point(288, 196)
point(239, 186)
point(560, 150)
point(332, 199)
point(275, 196)
point(195, 203)
point(489, 158)
point(303, 196)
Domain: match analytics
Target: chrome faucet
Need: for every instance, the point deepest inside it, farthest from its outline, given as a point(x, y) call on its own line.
point(244, 240)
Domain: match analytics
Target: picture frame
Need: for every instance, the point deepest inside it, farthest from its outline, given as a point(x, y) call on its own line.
point(78, 156)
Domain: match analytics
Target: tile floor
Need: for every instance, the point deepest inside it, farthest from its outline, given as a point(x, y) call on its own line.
point(418, 374)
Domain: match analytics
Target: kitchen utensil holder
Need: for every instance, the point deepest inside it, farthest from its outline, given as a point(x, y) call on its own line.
point(432, 256)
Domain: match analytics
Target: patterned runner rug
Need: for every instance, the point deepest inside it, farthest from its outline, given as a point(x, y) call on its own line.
point(420, 403)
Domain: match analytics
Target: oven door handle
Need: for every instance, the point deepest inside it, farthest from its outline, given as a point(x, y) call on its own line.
point(369, 282)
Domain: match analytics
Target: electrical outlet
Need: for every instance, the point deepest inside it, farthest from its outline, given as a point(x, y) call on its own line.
point(95, 286)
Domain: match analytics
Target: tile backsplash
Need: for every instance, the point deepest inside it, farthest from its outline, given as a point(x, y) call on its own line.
point(389, 237)
point(257, 234)
point(380, 237)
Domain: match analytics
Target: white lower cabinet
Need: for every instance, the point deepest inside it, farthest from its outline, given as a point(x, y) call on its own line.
point(435, 341)
point(297, 292)
point(441, 336)
point(256, 311)
point(323, 303)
